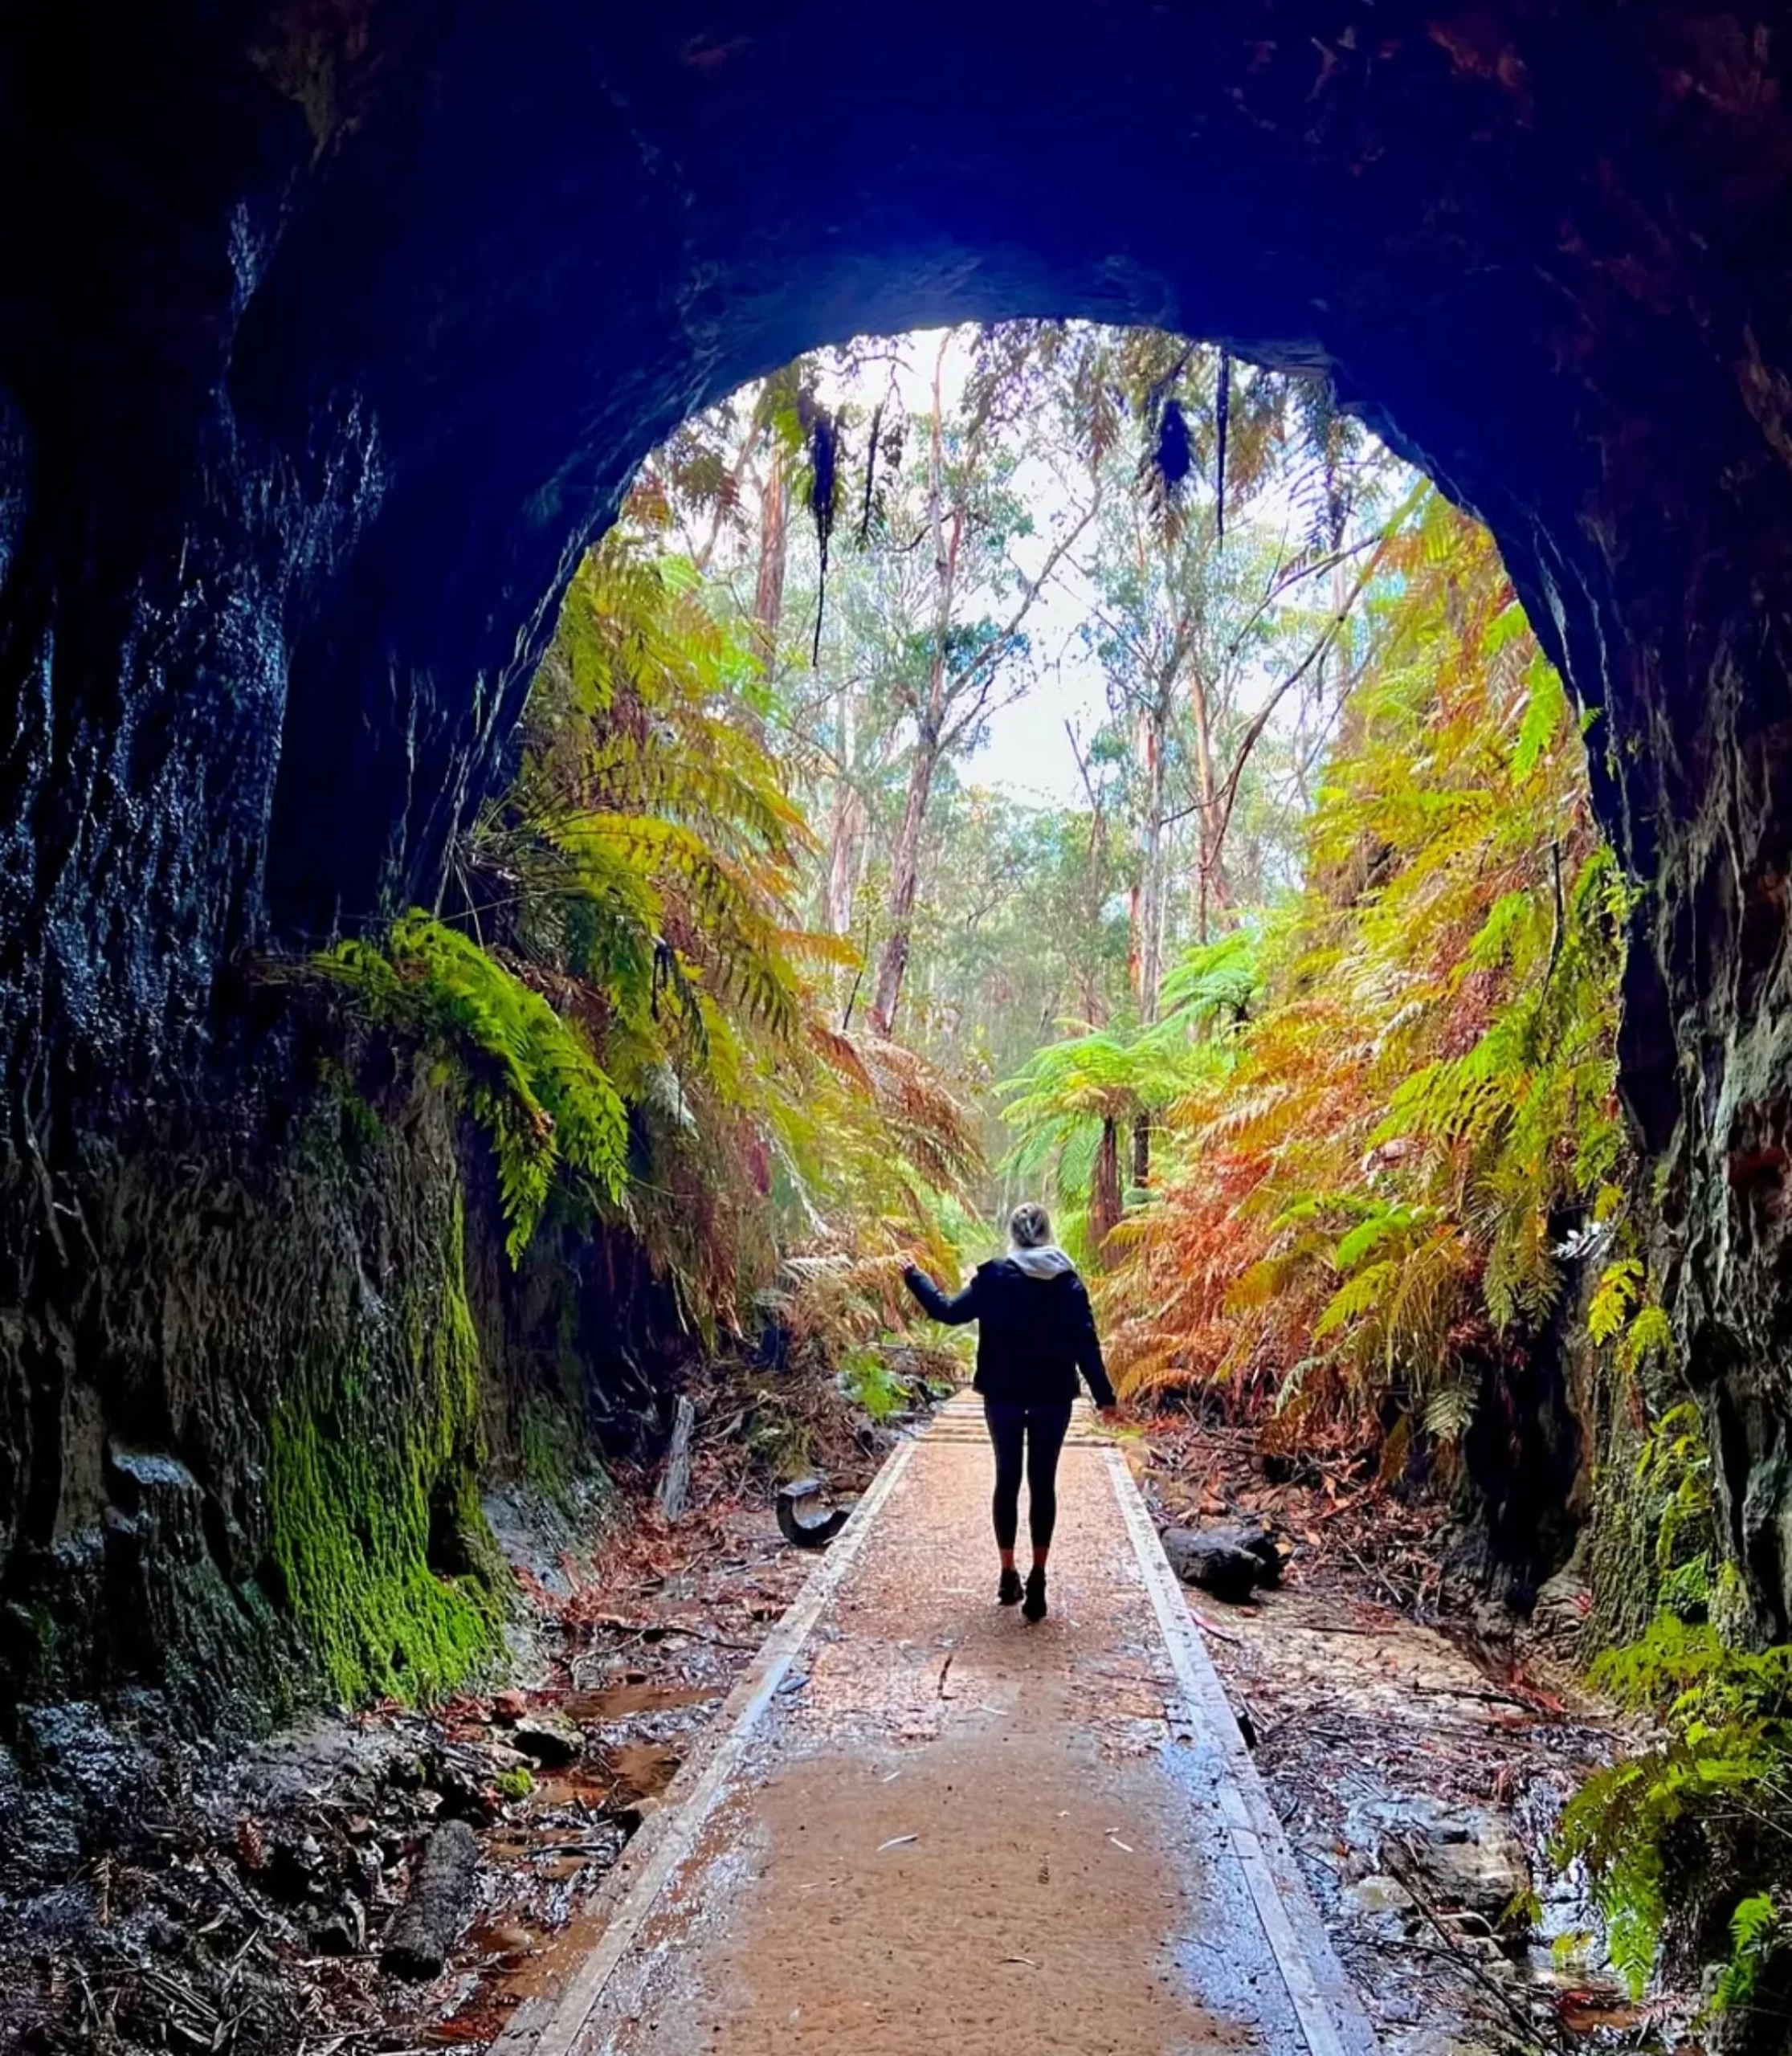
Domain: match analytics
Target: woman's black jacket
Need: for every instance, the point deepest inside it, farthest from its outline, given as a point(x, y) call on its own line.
point(1033, 1334)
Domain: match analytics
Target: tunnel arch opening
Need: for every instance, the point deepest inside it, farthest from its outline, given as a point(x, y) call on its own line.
point(1516, 282)
point(351, 324)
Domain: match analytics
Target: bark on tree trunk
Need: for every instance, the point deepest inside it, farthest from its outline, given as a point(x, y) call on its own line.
point(1209, 882)
point(768, 596)
point(1148, 903)
point(904, 877)
point(845, 826)
point(1141, 1148)
point(439, 1902)
point(1104, 1197)
point(675, 1484)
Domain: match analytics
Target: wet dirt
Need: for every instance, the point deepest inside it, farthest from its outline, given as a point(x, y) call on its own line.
point(986, 1898)
point(643, 1769)
point(1369, 1725)
point(620, 1701)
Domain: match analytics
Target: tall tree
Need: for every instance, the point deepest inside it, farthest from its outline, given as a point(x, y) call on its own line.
point(962, 668)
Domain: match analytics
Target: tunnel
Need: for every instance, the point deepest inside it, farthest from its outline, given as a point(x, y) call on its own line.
point(333, 331)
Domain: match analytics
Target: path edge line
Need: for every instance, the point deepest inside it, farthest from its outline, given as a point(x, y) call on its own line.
point(663, 1843)
point(1326, 2004)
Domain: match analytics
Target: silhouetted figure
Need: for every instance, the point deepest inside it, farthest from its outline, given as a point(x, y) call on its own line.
point(1035, 1332)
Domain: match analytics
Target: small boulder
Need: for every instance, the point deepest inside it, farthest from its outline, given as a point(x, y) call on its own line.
point(1377, 1896)
point(1229, 1562)
point(550, 1738)
point(1464, 1858)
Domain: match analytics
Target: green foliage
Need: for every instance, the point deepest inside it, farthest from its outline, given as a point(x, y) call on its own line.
point(523, 1072)
point(1661, 1831)
point(1608, 1313)
point(1059, 1101)
point(1691, 1833)
point(869, 1381)
point(618, 987)
point(1428, 1080)
point(1758, 1929)
point(1674, 1468)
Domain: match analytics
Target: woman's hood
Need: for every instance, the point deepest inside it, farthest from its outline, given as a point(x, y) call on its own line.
point(1048, 1261)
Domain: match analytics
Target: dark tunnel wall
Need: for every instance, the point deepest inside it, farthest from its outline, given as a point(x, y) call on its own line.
point(333, 330)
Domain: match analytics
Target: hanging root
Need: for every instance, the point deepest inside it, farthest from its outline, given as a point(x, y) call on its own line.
point(1223, 414)
point(823, 479)
point(870, 473)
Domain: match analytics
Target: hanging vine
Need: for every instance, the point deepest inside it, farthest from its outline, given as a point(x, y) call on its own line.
point(1222, 415)
point(824, 449)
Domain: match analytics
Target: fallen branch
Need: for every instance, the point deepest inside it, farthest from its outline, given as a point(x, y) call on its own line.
point(440, 1899)
point(675, 1487)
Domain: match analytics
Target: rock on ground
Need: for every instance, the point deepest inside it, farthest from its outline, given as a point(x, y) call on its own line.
point(1463, 1857)
point(550, 1738)
point(1229, 1562)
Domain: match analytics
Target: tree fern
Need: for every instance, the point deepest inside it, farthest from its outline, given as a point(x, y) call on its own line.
point(1425, 1079)
point(540, 1095)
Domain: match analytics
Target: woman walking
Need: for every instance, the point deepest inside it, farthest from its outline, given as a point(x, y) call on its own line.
point(1036, 1332)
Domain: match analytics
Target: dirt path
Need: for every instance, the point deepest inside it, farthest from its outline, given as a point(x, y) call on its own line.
point(925, 1825)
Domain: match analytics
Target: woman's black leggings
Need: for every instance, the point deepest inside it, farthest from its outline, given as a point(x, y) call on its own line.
point(1042, 1430)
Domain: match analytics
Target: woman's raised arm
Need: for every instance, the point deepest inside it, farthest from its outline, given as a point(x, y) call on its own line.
point(954, 1311)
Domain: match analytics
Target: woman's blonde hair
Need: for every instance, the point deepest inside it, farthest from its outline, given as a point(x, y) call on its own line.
point(1029, 1225)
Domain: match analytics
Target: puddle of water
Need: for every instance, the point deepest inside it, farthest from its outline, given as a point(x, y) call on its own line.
point(522, 1962)
point(528, 1950)
point(617, 1702)
point(644, 1768)
point(564, 1806)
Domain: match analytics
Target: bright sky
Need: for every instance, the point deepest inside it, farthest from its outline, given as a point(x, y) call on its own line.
point(1028, 753)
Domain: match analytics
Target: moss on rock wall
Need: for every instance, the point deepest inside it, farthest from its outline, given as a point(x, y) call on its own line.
point(373, 1501)
point(251, 1431)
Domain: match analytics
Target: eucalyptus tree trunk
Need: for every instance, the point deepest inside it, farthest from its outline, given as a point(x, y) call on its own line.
point(1147, 949)
point(846, 821)
point(905, 864)
point(768, 596)
point(845, 825)
point(905, 882)
point(1210, 880)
